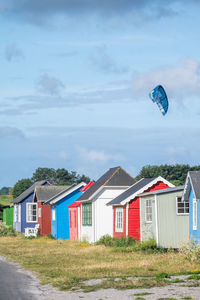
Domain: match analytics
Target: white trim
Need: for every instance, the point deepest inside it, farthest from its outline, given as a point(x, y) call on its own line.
point(19, 213)
point(156, 219)
point(55, 199)
point(39, 212)
point(121, 211)
point(159, 178)
point(127, 209)
point(194, 201)
point(27, 204)
point(53, 214)
point(141, 236)
point(15, 212)
point(79, 223)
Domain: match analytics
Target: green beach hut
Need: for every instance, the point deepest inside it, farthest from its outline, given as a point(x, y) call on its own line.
point(8, 216)
point(165, 217)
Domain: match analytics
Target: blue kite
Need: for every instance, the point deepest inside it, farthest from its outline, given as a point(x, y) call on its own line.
point(159, 96)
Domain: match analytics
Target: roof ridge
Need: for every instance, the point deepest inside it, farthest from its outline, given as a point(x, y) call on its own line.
point(118, 168)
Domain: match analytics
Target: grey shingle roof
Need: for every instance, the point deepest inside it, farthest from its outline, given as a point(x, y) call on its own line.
point(28, 191)
point(116, 176)
point(44, 193)
point(131, 191)
point(195, 181)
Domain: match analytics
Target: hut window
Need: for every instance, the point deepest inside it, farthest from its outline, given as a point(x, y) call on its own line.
point(182, 207)
point(194, 214)
point(148, 211)
point(119, 219)
point(87, 214)
point(31, 212)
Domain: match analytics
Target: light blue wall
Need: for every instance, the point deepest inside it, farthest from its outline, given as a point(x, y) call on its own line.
point(60, 227)
point(194, 234)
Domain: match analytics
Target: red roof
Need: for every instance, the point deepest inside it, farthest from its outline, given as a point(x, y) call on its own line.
point(75, 204)
point(87, 186)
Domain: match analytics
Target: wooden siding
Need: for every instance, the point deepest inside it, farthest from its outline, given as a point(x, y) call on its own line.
point(123, 233)
point(134, 211)
point(45, 220)
point(8, 216)
point(194, 234)
point(173, 229)
point(60, 227)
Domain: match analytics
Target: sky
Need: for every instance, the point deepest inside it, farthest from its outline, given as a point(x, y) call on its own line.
point(75, 81)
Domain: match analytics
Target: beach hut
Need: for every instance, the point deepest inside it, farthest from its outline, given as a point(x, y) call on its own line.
point(126, 206)
point(165, 217)
point(43, 194)
point(75, 216)
point(25, 210)
point(60, 210)
point(191, 197)
point(96, 216)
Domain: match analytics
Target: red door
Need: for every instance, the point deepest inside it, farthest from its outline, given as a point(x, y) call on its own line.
point(73, 223)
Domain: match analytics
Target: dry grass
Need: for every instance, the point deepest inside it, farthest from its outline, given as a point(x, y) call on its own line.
point(66, 264)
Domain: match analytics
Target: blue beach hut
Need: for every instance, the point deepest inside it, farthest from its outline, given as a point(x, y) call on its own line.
point(25, 210)
point(60, 210)
point(191, 199)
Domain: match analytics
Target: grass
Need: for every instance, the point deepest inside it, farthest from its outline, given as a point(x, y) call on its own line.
point(66, 264)
point(5, 200)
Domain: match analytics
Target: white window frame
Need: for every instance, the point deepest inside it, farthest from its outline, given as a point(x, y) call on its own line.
point(15, 212)
point(19, 213)
point(39, 212)
point(53, 214)
point(148, 214)
point(194, 214)
point(27, 211)
point(184, 207)
point(119, 219)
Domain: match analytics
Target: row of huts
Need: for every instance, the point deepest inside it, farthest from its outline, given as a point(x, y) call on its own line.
point(116, 205)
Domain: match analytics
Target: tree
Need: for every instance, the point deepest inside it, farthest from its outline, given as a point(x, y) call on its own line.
point(176, 174)
point(21, 186)
point(4, 190)
point(44, 174)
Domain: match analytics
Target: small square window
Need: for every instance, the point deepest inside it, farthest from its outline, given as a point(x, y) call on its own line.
point(182, 206)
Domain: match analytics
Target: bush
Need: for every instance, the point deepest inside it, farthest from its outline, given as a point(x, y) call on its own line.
point(128, 244)
point(191, 251)
point(6, 230)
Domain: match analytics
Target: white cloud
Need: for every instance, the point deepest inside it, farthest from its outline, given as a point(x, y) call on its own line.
point(50, 85)
point(176, 79)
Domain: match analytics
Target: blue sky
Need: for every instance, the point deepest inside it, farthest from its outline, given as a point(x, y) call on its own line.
point(74, 84)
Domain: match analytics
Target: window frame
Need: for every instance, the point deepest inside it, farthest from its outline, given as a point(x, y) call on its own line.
point(194, 215)
point(119, 219)
point(86, 214)
point(148, 213)
point(27, 212)
point(184, 207)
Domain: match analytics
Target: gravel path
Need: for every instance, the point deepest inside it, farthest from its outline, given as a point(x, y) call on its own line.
point(19, 284)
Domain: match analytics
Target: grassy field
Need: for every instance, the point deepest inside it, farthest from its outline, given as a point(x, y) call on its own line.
point(5, 200)
point(65, 264)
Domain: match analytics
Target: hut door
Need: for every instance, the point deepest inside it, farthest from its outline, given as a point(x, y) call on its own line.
point(73, 223)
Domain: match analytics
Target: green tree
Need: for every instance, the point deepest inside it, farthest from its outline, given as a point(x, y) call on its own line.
point(4, 190)
point(21, 186)
point(176, 174)
point(44, 174)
